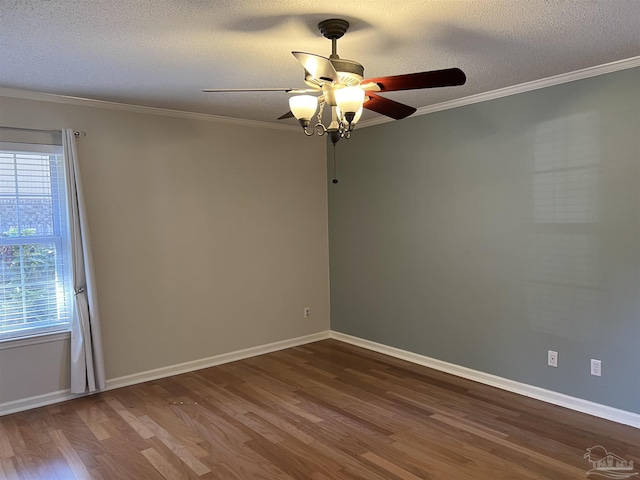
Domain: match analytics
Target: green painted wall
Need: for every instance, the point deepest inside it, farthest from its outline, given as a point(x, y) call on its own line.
point(488, 234)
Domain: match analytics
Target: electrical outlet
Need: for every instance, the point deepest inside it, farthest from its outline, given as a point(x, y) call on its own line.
point(307, 312)
point(596, 367)
point(552, 358)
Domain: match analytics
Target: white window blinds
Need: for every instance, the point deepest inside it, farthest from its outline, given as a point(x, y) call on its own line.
point(34, 262)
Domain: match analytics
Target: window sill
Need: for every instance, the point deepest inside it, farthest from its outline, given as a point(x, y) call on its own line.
point(34, 340)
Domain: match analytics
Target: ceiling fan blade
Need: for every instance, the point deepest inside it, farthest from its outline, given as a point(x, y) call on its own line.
point(319, 67)
point(285, 116)
point(287, 90)
point(390, 108)
point(449, 77)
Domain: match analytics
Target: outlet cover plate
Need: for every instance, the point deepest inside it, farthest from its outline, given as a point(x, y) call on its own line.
point(552, 358)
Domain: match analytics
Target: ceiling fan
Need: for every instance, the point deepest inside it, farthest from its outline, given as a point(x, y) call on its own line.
point(340, 84)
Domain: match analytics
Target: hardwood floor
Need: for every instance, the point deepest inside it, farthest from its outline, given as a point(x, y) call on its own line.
point(322, 411)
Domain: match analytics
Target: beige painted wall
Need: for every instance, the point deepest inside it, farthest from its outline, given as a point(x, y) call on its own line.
point(207, 238)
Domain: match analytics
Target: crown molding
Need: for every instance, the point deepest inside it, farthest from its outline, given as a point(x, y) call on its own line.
point(460, 102)
point(89, 102)
point(516, 89)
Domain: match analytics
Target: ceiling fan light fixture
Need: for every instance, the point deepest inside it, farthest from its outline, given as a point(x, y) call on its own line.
point(303, 107)
point(349, 100)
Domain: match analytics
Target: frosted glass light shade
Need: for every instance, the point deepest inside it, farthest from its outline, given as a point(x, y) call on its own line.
point(355, 118)
point(349, 99)
point(303, 106)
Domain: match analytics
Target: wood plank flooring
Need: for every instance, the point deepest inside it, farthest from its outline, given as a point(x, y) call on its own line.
point(322, 411)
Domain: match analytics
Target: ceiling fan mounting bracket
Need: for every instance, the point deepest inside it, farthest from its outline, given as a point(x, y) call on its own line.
point(333, 28)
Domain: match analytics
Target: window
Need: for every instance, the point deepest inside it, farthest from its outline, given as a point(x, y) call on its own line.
point(35, 291)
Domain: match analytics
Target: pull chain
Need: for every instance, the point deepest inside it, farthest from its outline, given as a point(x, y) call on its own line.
point(335, 179)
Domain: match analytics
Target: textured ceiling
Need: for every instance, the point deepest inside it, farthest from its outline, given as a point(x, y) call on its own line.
point(162, 53)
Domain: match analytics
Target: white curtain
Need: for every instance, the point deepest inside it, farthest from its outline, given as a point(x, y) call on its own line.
point(87, 363)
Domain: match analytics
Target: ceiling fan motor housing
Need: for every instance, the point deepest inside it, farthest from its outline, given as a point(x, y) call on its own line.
point(351, 73)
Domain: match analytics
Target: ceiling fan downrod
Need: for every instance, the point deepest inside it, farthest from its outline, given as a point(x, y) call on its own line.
point(333, 29)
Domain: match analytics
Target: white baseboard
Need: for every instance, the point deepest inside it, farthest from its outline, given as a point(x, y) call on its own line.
point(63, 395)
point(555, 398)
point(36, 401)
point(213, 361)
